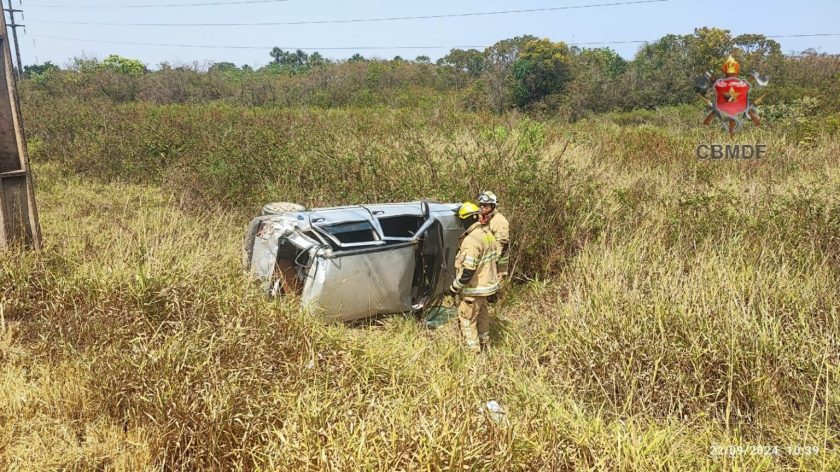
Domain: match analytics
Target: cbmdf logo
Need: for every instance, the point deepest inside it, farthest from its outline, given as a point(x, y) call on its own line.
point(731, 103)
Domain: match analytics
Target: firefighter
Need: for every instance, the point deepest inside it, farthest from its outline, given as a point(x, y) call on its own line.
point(475, 278)
point(499, 226)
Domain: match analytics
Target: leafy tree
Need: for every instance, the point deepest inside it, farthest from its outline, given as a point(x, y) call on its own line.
point(663, 72)
point(398, 59)
point(757, 44)
point(423, 59)
point(542, 68)
point(357, 58)
point(300, 59)
point(277, 55)
point(274, 68)
point(289, 58)
point(498, 62)
point(597, 81)
point(123, 65)
point(316, 59)
point(223, 67)
point(85, 64)
point(707, 48)
point(39, 69)
point(600, 62)
point(757, 52)
point(470, 61)
point(288, 62)
point(507, 51)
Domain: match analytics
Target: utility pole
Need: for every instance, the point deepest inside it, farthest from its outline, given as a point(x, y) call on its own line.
point(14, 26)
point(18, 213)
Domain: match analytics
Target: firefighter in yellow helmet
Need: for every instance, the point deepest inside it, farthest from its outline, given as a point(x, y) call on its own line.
point(475, 278)
point(499, 226)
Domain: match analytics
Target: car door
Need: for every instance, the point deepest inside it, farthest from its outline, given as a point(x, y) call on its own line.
point(430, 264)
point(359, 275)
point(354, 284)
point(355, 279)
point(414, 222)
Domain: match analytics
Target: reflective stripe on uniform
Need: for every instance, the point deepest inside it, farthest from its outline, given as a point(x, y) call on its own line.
point(470, 263)
point(482, 291)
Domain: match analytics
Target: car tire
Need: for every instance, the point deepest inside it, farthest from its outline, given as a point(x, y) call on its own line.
point(277, 208)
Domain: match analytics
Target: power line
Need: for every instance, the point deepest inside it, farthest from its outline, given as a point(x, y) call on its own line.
point(159, 5)
point(360, 20)
point(207, 46)
point(809, 35)
point(210, 46)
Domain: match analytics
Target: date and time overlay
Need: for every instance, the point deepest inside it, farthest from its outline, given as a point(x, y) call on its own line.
point(754, 450)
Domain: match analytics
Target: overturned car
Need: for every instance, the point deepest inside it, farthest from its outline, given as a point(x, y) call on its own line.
point(348, 263)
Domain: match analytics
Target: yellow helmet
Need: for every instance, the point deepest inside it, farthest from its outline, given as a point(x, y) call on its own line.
point(467, 210)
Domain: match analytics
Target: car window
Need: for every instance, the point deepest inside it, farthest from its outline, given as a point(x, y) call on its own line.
point(352, 232)
point(400, 226)
point(398, 221)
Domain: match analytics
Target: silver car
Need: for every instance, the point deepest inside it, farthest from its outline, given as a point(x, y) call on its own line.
point(348, 263)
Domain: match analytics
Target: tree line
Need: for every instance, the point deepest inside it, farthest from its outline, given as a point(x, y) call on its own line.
point(527, 73)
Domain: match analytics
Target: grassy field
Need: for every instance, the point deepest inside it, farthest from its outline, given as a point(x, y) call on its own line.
point(666, 311)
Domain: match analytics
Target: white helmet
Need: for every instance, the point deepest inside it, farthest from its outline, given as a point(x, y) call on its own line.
point(487, 197)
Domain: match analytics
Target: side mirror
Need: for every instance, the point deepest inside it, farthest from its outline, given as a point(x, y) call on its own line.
point(424, 206)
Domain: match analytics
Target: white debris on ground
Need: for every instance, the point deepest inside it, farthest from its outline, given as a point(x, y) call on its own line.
point(497, 412)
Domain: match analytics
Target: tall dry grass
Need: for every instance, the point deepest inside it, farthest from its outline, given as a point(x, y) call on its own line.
point(664, 306)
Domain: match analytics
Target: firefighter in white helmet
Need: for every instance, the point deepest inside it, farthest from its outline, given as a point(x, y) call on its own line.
point(499, 226)
point(475, 278)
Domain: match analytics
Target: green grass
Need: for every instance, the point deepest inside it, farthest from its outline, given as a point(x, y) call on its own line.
point(663, 305)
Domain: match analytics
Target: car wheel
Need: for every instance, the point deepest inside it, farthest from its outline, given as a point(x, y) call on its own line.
point(277, 208)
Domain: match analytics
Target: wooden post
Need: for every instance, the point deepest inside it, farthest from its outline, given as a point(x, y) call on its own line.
point(18, 213)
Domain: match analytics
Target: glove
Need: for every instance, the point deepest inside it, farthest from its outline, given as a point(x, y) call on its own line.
point(493, 298)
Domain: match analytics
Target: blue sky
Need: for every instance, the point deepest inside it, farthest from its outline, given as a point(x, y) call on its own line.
point(436, 36)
